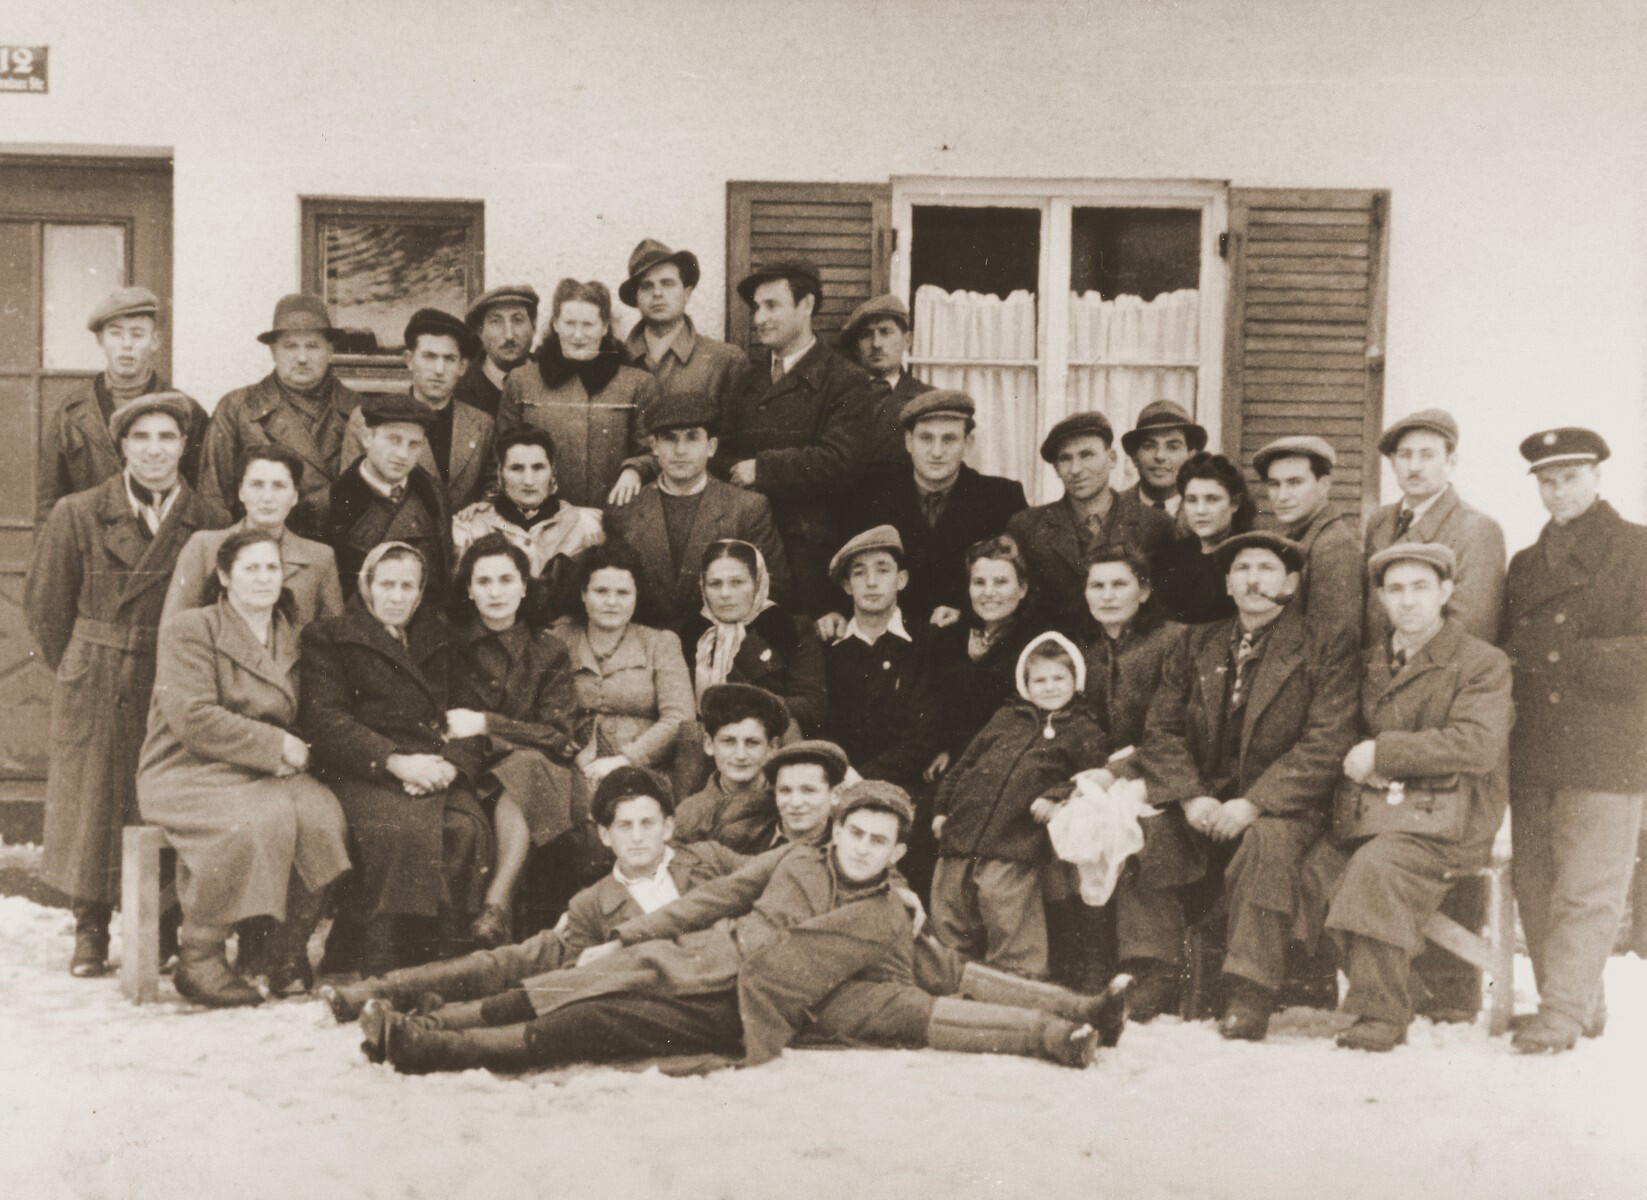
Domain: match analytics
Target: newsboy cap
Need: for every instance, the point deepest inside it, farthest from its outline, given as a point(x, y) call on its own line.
point(1160, 415)
point(827, 755)
point(124, 302)
point(1434, 420)
point(444, 324)
point(299, 312)
point(882, 537)
point(680, 410)
point(174, 404)
point(653, 253)
point(1432, 554)
point(725, 703)
point(1556, 447)
point(625, 783)
point(508, 293)
point(1288, 551)
point(399, 409)
point(1081, 424)
point(799, 271)
point(939, 402)
point(873, 309)
point(1306, 445)
point(876, 795)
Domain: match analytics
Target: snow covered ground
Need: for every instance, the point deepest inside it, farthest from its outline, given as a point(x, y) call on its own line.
point(101, 1099)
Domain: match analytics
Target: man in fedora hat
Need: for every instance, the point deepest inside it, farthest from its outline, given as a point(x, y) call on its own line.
point(76, 448)
point(300, 405)
point(95, 592)
point(796, 432)
point(504, 319)
point(1298, 471)
point(877, 337)
point(1577, 619)
point(1159, 444)
point(457, 449)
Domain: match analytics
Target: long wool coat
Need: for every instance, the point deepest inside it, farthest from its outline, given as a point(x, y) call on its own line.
point(311, 575)
point(223, 704)
point(94, 596)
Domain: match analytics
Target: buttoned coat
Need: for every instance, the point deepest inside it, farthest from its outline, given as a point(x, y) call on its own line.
point(882, 710)
point(259, 415)
point(310, 568)
point(77, 450)
point(670, 596)
point(1123, 676)
point(694, 365)
point(93, 601)
point(1477, 542)
point(346, 530)
point(978, 507)
point(1577, 626)
point(223, 705)
point(1051, 541)
point(476, 389)
point(635, 701)
point(781, 653)
point(473, 470)
point(1332, 589)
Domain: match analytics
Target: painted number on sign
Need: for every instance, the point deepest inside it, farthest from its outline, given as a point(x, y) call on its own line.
point(22, 68)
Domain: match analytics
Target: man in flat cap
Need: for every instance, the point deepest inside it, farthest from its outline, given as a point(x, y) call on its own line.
point(1435, 704)
point(94, 597)
point(1423, 452)
point(877, 337)
point(1245, 738)
point(77, 450)
point(1297, 472)
point(300, 405)
point(796, 432)
point(1058, 538)
point(676, 517)
point(1576, 614)
point(458, 449)
point(504, 319)
point(387, 496)
point(1159, 444)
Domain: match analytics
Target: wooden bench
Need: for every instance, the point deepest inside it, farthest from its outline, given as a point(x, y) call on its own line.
point(142, 903)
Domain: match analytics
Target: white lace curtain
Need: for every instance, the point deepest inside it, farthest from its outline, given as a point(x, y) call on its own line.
point(975, 326)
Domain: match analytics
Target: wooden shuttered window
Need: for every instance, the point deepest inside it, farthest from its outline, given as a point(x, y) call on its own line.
point(845, 229)
point(1304, 338)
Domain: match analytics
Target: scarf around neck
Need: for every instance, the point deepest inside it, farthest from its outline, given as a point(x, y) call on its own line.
point(595, 373)
point(720, 643)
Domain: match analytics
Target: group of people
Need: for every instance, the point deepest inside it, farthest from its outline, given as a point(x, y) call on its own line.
point(790, 696)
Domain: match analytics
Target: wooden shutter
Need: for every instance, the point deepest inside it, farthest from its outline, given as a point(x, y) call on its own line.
point(844, 228)
point(1304, 339)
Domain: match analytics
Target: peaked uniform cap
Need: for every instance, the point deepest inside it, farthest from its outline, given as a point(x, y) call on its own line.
point(1555, 447)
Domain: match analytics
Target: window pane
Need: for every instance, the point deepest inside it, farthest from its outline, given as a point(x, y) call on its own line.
point(1134, 251)
point(378, 273)
point(83, 264)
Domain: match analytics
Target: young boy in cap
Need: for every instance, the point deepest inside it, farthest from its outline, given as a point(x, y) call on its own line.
point(743, 726)
point(804, 776)
point(986, 892)
point(504, 319)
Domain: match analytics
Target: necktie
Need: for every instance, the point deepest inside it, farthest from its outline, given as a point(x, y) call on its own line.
point(777, 368)
point(397, 493)
point(932, 508)
point(1403, 522)
point(1244, 654)
point(1398, 659)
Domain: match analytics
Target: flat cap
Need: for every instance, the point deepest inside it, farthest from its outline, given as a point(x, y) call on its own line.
point(1434, 554)
point(798, 271)
point(124, 302)
point(1306, 444)
point(1288, 551)
point(873, 309)
point(625, 783)
point(876, 795)
point(174, 404)
point(724, 703)
point(1081, 424)
point(508, 293)
point(1555, 447)
point(882, 537)
point(939, 402)
point(1435, 420)
point(1159, 415)
point(827, 755)
point(653, 253)
point(435, 321)
point(680, 410)
point(299, 312)
point(399, 409)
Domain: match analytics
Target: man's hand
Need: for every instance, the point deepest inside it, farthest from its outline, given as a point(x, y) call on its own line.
point(912, 904)
point(596, 953)
point(626, 488)
point(1358, 762)
point(464, 723)
point(294, 755)
point(936, 767)
point(1201, 812)
point(1233, 818)
point(831, 626)
point(743, 473)
point(598, 769)
point(944, 615)
point(1043, 808)
point(938, 826)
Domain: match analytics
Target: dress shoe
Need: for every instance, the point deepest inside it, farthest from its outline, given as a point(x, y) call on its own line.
point(1377, 1037)
point(1247, 1014)
point(91, 941)
point(1547, 1032)
point(203, 975)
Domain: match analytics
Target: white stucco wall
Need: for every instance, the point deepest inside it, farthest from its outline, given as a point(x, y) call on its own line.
point(1513, 137)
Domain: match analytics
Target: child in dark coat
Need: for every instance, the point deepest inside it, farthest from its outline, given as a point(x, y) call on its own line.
point(986, 893)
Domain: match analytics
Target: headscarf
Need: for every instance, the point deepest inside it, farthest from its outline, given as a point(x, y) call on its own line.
point(376, 555)
point(1077, 661)
point(719, 645)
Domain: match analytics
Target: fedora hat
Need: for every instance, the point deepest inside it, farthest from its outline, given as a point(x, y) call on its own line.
point(299, 312)
point(653, 253)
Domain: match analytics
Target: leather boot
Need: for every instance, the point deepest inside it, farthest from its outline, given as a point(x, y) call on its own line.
point(1157, 988)
point(975, 1028)
point(1547, 1032)
point(406, 988)
point(1373, 1035)
point(256, 951)
point(290, 969)
point(1106, 1011)
point(1247, 1015)
point(203, 974)
point(91, 940)
point(413, 1048)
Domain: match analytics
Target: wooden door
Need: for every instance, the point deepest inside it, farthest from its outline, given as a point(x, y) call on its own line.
point(71, 230)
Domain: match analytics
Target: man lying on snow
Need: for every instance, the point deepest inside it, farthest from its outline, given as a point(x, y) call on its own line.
point(803, 938)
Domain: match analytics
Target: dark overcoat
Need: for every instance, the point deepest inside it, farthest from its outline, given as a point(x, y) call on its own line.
point(310, 568)
point(1332, 589)
point(884, 450)
point(1477, 542)
point(781, 653)
point(93, 600)
point(969, 693)
point(882, 710)
point(1189, 586)
point(1051, 541)
point(745, 820)
point(350, 534)
point(475, 388)
point(1577, 622)
point(1122, 676)
point(472, 470)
